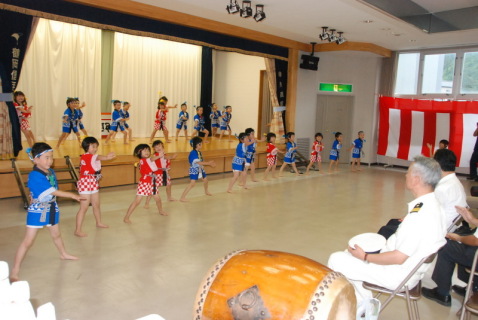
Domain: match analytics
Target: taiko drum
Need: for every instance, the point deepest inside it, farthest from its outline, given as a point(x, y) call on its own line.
point(260, 284)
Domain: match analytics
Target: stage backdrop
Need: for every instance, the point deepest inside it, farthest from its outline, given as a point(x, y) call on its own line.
point(407, 126)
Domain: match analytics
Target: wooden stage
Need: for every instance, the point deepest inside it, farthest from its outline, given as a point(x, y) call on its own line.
point(121, 170)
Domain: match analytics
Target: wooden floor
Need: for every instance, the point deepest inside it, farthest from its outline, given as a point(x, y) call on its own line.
point(156, 264)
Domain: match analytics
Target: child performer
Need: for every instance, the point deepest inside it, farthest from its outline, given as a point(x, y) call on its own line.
point(43, 210)
point(80, 116)
point(356, 148)
point(238, 163)
point(251, 144)
point(226, 121)
point(117, 122)
point(183, 121)
point(87, 185)
point(70, 117)
point(271, 155)
point(443, 144)
point(214, 116)
point(24, 112)
point(160, 122)
point(125, 114)
point(315, 155)
point(291, 149)
point(163, 162)
point(335, 151)
point(147, 185)
point(199, 123)
point(196, 169)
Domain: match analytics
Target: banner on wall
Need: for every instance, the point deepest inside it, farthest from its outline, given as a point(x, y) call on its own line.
point(408, 126)
point(105, 124)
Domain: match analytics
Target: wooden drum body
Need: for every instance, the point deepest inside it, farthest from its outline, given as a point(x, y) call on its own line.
point(259, 284)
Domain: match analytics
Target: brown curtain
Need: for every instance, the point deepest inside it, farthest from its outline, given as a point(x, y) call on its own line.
point(277, 123)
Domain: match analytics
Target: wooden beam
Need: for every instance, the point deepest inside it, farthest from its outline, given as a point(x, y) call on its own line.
point(353, 46)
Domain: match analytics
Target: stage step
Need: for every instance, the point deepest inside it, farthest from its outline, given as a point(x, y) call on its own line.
point(22, 185)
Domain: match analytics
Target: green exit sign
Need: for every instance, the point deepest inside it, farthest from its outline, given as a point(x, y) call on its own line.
point(334, 87)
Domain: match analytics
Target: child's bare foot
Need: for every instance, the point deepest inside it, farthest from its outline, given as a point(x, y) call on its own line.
point(146, 206)
point(80, 234)
point(126, 220)
point(102, 225)
point(229, 191)
point(163, 213)
point(168, 141)
point(208, 194)
point(67, 256)
point(172, 199)
point(183, 200)
point(14, 278)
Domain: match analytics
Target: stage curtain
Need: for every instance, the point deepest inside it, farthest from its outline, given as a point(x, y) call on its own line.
point(146, 68)
point(15, 29)
point(63, 60)
point(206, 84)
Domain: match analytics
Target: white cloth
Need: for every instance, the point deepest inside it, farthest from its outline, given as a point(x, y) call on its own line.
point(419, 235)
point(450, 193)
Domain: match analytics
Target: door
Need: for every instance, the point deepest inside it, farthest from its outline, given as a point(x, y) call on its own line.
point(334, 114)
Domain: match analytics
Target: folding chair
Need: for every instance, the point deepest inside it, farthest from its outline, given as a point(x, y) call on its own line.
point(403, 291)
point(470, 303)
point(456, 222)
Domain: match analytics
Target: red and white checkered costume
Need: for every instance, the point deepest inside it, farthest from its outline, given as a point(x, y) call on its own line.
point(271, 155)
point(23, 117)
point(147, 184)
point(162, 175)
point(90, 173)
point(160, 122)
point(317, 147)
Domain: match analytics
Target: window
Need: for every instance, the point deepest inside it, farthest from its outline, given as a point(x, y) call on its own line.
point(438, 73)
point(469, 79)
point(407, 73)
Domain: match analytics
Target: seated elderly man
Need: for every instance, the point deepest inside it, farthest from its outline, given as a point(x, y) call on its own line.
point(459, 250)
point(421, 233)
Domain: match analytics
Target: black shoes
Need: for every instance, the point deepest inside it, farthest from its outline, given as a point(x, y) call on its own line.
point(459, 290)
point(432, 294)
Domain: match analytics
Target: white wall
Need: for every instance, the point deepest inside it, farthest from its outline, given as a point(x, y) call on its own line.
point(236, 83)
point(356, 68)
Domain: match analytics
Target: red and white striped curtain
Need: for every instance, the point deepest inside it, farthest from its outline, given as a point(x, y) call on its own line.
point(407, 126)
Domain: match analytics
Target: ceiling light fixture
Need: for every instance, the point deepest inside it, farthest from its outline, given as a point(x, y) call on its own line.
point(246, 11)
point(331, 36)
point(260, 14)
point(340, 38)
point(324, 35)
point(233, 7)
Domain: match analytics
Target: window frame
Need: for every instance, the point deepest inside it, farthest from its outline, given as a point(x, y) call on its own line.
point(457, 77)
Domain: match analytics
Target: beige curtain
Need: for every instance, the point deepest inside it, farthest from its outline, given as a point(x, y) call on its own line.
point(277, 123)
point(146, 68)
